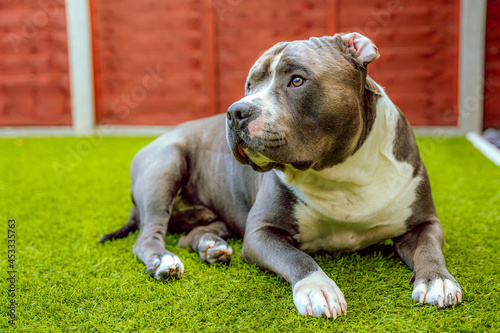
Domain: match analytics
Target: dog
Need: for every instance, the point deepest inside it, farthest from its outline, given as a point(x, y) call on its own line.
point(335, 167)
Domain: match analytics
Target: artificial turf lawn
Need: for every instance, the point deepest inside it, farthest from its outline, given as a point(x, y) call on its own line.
point(63, 201)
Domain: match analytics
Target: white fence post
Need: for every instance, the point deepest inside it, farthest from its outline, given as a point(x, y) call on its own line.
point(80, 65)
point(471, 75)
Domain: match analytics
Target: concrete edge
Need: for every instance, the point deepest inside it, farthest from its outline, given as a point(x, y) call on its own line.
point(133, 130)
point(68, 131)
point(489, 150)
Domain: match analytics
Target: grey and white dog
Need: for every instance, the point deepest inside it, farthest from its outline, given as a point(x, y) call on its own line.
point(335, 167)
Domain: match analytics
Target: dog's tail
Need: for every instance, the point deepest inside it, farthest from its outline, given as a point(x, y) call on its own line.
point(131, 226)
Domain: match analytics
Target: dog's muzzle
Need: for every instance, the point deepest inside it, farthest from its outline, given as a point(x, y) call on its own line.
point(238, 116)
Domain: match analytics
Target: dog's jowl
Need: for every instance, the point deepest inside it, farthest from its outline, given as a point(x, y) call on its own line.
point(315, 156)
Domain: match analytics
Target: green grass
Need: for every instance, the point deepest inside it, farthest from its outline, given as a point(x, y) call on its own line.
point(63, 201)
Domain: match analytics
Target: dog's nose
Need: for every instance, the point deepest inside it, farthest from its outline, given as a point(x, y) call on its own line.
point(238, 113)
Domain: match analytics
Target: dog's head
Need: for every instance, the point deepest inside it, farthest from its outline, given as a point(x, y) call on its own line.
point(304, 104)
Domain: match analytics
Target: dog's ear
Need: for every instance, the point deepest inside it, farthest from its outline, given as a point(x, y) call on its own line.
point(358, 48)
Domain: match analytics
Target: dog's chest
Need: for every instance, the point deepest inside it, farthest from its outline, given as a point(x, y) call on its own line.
point(367, 204)
point(349, 232)
point(348, 217)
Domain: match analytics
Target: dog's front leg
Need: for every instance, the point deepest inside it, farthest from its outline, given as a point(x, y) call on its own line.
point(314, 293)
point(420, 249)
point(269, 244)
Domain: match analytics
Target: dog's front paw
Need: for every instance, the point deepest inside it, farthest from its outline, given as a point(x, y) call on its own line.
point(442, 291)
point(212, 249)
point(317, 295)
point(166, 266)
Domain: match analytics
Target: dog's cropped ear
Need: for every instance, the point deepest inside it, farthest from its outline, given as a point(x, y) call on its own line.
point(357, 47)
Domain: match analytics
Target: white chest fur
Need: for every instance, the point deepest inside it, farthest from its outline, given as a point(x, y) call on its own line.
point(360, 202)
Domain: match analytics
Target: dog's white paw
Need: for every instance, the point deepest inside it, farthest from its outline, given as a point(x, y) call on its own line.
point(317, 295)
point(439, 291)
point(212, 249)
point(169, 266)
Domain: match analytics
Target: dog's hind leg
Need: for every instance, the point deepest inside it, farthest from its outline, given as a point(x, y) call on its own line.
point(156, 181)
point(208, 241)
point(131, 226)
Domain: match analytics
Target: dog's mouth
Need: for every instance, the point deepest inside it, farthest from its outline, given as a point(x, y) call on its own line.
point(264, 153)
point(238, 150)
point(244, 154)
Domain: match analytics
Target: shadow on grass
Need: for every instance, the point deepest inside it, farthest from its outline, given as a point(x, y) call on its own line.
point(384, 250)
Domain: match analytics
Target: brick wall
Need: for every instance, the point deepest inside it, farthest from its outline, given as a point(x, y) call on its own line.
point(34, 81)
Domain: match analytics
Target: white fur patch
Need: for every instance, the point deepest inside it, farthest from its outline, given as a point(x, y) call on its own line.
point(440, 292)
point(211, 252)
point(317, 295)
point(270, 110)
point(170, 265)
point(360, 202)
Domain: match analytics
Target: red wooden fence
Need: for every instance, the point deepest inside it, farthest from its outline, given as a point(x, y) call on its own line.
point(492, 66)
point(160, 62)
point(34, 80)
point(419, 46)
point(206, 47)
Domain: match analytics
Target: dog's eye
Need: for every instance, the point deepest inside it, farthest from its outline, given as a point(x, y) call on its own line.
point(249, 86)
point(296, 81)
